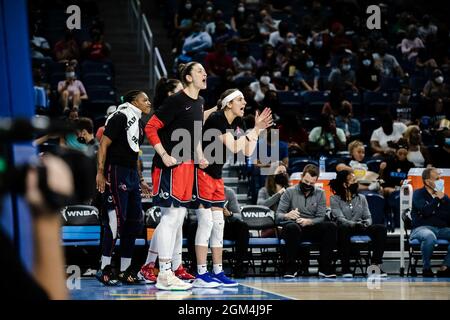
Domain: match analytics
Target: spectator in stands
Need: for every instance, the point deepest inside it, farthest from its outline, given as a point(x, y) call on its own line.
point(353, 217)
point(235, 230)
point(212, 26)
point(40, 49)
point(100, 130)
point(384, 138)
point(41, 92)
point(442, 154)
point(276, 185)
point(367, 76)
point(367, 179)
point(394, 170)
point(343, 78)
point(339, 41)
point(249, 30)
point(268, 59)
point(71, 91)
point(219, 63)
point(267, 24)
point(435, 88)
point(183, 16)
point(431, 220)
point(262, 85)
point(282, 36)
point(385, 62)
point(427, 28)
point(417, 153)
point(197, 41)
point(301, 213)
point(307, 75)
point(223, 33)
point(244, 64)
point(346, 122)
point(437, 113)
point(67, 49)
point(319, 45)
point(327, 138)
point(96, 49)
point(292, 131)
point(411, 44)
point(239, 16)
point(402, 110)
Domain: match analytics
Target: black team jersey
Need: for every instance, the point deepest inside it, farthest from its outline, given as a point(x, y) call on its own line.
point(217, 120)
point(119, 152)
point(178, 111)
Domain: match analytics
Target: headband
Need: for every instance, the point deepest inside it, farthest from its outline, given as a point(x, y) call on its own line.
point(230, 97)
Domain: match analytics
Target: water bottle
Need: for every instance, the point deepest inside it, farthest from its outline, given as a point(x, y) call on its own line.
point(322, 164)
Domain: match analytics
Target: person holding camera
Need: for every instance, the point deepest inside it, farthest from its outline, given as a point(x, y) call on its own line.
point(119, 179)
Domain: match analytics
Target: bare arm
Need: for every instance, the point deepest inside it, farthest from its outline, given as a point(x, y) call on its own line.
point(208, 112)
point(101, 157)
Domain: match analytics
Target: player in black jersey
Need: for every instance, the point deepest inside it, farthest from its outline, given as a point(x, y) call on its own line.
point(209, 187)
point(181, 113)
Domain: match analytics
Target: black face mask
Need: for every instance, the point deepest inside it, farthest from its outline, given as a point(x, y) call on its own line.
point(81, 140)
point(306, 187)
point(282, 179)
point(353, 188)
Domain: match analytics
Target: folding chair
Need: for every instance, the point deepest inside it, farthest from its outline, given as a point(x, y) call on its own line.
point(260, 218)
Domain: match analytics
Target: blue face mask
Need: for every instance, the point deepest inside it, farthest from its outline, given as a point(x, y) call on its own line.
point(367, 62)
point(439, 185)
point(447, 141)
point(310, 63)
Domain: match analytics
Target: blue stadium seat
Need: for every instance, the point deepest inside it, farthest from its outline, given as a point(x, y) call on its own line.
point(291, 100)
point(97, 67)
point(390, 84)
point(97, 79)
point(417, 83)
point(314, 101)
point(374, 165)
point(376, 101)
point(355, 98)
point(368, 125)
point(297, 164)
point(102, 95)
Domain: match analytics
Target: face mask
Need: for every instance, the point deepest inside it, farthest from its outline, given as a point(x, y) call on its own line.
point(188, 6)
point(439, 79)
point(367, 62)
point(241, 9)
point(353, 188)
point(209, 9)
point(318, 44)
point(439, 185)
point(70, 75)
point(447, 141)
point(265, 80)
point(346, 67)
point(305, 187)
point(282, 179)
point(81, 140)
point(310, 63)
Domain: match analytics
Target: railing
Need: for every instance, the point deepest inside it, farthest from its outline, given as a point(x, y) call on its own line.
point(145, 44)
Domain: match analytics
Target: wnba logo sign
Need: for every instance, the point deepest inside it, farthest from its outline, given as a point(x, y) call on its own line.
point(74, 20)
point(374, 20)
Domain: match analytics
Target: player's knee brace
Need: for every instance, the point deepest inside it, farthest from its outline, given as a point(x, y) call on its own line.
point(217, 230)
point(169, 219)
point(205, 225)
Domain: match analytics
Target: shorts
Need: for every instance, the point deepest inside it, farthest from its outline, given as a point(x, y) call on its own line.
point(173, 186)
point(208, 191)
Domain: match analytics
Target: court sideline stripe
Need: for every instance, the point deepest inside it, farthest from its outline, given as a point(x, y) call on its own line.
point(267, 291)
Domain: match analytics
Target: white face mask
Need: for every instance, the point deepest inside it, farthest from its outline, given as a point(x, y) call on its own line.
point(440, 79)
point(241, 9)
point(265, 80)
point(188, 6)
point(367, 62)
point(439, 185)
point(310, 63)
point(346, 67)
point(70, 75)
